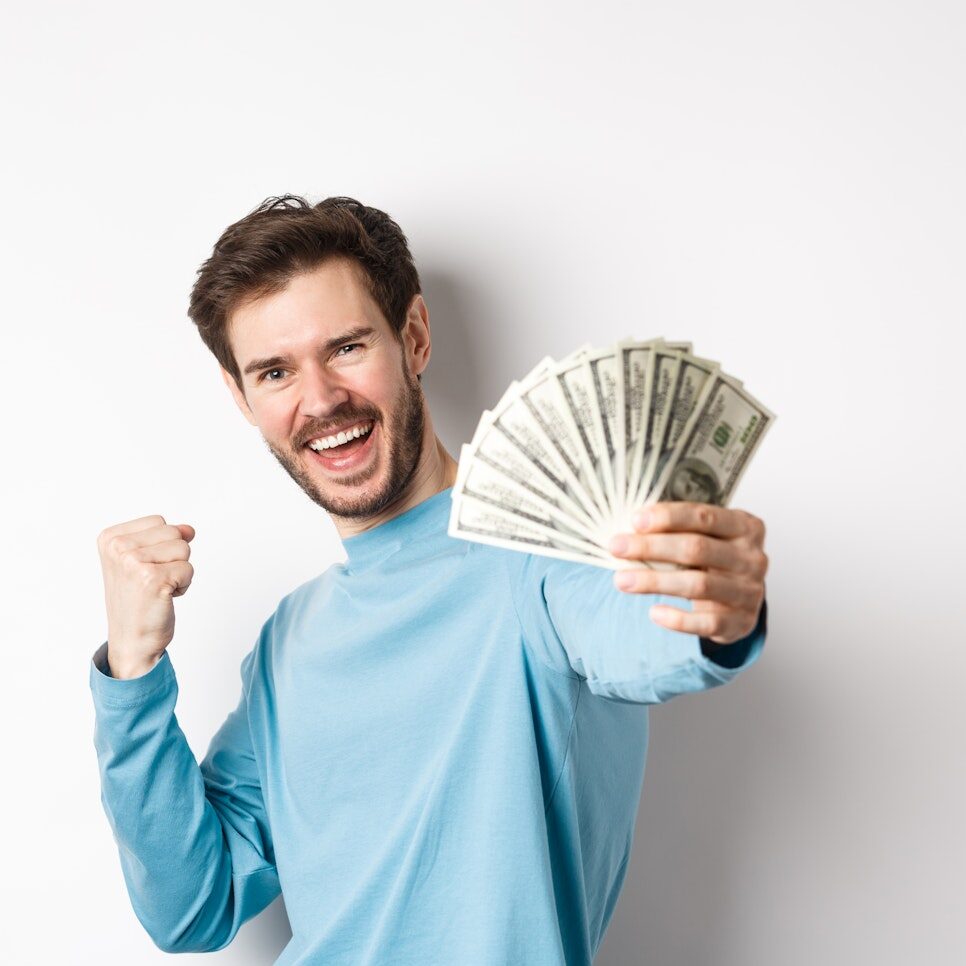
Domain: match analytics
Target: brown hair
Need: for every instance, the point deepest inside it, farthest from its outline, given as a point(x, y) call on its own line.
point(286, 236)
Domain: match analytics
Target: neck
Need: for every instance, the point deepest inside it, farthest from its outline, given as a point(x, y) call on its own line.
point(435, 471)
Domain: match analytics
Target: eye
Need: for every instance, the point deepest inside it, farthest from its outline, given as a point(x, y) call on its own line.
point(267, 373)
point(349, 346)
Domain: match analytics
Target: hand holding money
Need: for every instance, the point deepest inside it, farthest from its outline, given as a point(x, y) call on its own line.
point(570, 453)
point(724, 553)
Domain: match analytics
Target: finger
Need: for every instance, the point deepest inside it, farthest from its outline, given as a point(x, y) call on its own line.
point(692, 584)
point(693, 549)
point(177, 577)
point(717, 521)
point(756, 527)
point(145, 538)
point(187, 531)
point(130, 526)
point(703, 623)
point(165, 552)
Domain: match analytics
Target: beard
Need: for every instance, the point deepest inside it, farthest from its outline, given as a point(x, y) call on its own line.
point(403, 435)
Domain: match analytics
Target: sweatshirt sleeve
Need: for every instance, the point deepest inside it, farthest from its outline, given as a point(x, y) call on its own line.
point(574, 620)
point(194, 841)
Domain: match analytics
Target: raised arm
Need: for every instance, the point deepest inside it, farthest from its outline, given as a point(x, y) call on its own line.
point(194, 840)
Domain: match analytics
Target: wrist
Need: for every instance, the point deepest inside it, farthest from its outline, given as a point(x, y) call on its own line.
point(124, 669)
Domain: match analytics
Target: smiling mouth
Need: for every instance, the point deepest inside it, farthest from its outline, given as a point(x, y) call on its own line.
point(346, 450)
point(342, 440)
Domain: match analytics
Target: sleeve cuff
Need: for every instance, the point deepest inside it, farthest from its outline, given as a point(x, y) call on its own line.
point(740, 652)
point(129, 691)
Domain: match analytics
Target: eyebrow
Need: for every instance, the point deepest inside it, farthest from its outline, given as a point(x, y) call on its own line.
point(359, 332)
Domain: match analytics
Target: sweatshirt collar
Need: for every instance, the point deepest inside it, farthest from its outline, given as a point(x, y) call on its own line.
point(368, 548)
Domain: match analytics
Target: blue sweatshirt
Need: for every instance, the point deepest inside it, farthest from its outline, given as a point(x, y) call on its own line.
point(437, 757)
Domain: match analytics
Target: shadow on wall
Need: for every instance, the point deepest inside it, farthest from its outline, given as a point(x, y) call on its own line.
point(262, 939)
point(711, 765)
point(452, 381)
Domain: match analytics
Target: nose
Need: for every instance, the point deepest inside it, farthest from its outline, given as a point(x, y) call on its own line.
point(321, 392)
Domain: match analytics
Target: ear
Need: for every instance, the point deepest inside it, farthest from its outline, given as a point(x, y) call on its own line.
point(237, 395)
point(415, 336)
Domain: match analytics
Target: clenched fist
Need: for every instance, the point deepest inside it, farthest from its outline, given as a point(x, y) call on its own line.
point(145, 565)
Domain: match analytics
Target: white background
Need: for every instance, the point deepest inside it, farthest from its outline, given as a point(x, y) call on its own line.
point(781, 183)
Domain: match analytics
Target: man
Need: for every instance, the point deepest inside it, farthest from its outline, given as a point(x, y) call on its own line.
point(439, 746)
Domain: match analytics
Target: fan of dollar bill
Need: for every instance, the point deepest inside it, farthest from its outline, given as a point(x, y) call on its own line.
point(570, 451)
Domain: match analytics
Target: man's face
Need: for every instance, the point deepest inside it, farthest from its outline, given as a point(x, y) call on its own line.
point(319, 358)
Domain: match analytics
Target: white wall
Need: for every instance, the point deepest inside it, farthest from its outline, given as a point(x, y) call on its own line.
point(781, 183)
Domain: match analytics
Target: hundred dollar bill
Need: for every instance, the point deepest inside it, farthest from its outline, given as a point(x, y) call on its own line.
point(482, 486)
point(690, 380)
point(519, 424)
point(602, 376)
point(488, 483)
point(636, 373)
point(573, 377)
point(636, 381)
point(475, 520)
point(635, 370)
point(716, 445)
point(545, 399)
point(491, 446)
point(666, 363)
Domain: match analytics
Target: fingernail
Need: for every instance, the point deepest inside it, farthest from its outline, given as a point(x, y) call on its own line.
point(617, 544)
point(623, 579)
point(642, 520)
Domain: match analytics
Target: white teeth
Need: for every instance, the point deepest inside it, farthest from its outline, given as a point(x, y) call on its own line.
point(327, 442)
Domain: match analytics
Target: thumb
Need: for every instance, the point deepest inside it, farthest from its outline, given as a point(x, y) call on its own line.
point(187, 531)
